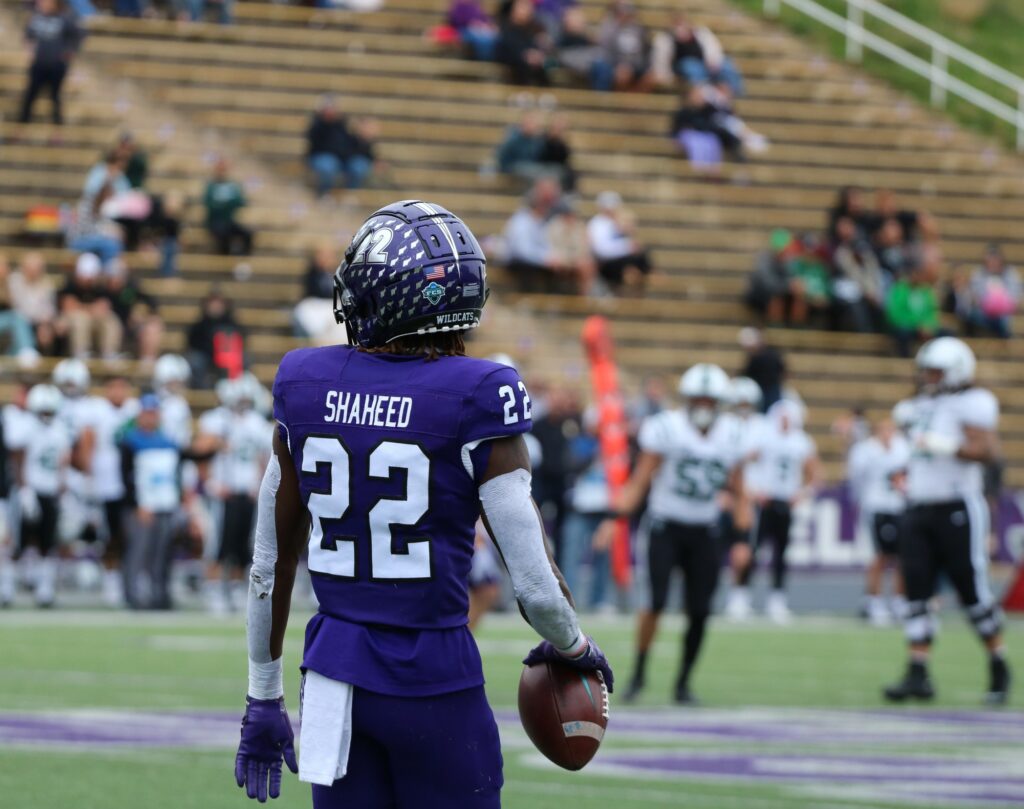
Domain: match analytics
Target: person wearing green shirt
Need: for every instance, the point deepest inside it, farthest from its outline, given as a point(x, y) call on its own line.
point(223, 199)
point(912, 310)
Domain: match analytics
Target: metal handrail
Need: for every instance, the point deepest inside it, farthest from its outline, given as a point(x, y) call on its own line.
point(943, 51)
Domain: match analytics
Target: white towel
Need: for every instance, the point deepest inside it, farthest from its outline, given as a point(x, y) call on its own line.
point(325, 735)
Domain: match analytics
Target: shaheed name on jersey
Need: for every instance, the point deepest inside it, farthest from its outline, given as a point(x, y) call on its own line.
point(344, 407)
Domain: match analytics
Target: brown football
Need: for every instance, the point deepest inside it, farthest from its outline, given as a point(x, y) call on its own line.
point(564, 712)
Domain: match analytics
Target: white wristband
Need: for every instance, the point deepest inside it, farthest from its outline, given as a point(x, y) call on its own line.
point(266, 680)
point(578, 649)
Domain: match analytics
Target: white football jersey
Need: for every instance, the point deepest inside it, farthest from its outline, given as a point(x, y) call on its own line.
point(749, 430)
point(176, 419)
point(47, 453)
point(871, 467)
point(81, 413)
point(107, 479)
point(17, 426)
point(777, 472)
point(695, 466)
point(939, 478)
point(247, 437)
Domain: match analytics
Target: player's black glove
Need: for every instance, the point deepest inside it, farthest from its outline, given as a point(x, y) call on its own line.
point(590, 659)
point(267, 737)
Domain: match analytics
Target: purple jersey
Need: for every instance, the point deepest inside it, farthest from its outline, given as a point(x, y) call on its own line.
point(384, 446)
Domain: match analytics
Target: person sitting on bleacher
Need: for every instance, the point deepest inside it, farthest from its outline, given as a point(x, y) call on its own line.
point(35, 298)
point(93, 230)
point(859, 283)
point(995, 295)
point(698, 57)
point(216, 342)
point(622, 261)
point(15, 331)
point(475, 28)
point(519, 152)
point(626, 44)
point(332, 151)
point(523, 45)
point(223, 199)
point(529, 257)
point(580, 52)
point(137, 311)
point(87, 310)
point(912, 306)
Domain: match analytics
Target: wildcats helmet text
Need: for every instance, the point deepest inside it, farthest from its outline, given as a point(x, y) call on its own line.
point(449, 319)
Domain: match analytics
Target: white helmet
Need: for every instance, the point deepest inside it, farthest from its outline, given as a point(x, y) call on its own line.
point(44, 400)
point(903, 414)
point(704, 381)
point(72, 377)
point(952, 357)
point(792, 410)
point(229, 392)
point(744, 391)
point(252, 389)
point(169, 369)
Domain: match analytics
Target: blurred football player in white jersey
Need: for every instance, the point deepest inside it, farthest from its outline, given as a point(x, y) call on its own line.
point(80, 412)
point(170, 381)
point(945, 530)
point(737, 516)
point(14, 417)
point(235, 476)
point(688, 455)
point(113, 412)
point(41, 456)
point(783, 474)
point(875, 469)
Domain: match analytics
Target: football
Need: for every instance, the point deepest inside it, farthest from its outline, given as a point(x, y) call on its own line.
point(564, 712)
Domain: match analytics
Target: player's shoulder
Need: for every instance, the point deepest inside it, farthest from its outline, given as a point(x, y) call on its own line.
point(975, 406)
point(312, 363)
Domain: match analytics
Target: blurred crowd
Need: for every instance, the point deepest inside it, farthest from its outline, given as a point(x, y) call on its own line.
point(881, 269)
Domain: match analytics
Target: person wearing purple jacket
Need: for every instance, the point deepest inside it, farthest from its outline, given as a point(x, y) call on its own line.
point(386, 452)
point(476, 28)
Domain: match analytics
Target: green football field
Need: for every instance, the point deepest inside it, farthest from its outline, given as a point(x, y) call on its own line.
point(109, 710)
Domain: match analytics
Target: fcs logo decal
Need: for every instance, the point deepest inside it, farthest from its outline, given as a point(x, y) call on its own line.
point(433, 292)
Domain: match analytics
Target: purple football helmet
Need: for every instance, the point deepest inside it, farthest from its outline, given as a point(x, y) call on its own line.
point(412, 268)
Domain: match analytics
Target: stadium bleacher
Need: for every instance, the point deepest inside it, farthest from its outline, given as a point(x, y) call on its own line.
point(190, 90)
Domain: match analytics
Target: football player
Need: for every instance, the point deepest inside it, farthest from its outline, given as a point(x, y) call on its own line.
point(876, 467)
point(688, 455)
point(170, 381)
point(785, 473)
point(244, 436)
point(745, 398)
point(42, 457)
point(385, 453)
point(945, 530)
point(14, 418)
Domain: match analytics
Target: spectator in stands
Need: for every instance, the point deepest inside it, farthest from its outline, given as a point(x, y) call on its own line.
point(579, 51)
point(314, 314)
point(912, 307)
point(93, 231)
point(913, 223)
point(859, 284)
point(850, 204)
point(812, 281)
point(764, 364)
point(529, 256)
point(698, 57)
point(626, 45)
point(54, 39)
point(135, 160)
point(523, 45)
point(225, 16)
point(475, 28)
point(995, 294)
point(622, 261)
point(555, 153)
point(569, 247)
point(35, 298)
point(15, 330)
point(137, 311)
point(772, 291)
point(519, 154)
point(332, 151)
point(894, 255)
point(87, 310)
point(223, 199)
point(216, 342)
point(707, 116)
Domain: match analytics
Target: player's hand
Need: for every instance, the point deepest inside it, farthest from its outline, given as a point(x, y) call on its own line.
point(590, 659)
point(267, 737)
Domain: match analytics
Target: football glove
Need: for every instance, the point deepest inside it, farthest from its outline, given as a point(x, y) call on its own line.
point(267, 737)
point(590, 659)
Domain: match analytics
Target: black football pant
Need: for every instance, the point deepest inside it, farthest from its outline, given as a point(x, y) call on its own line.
point(947, 539)
point(774, 520)
point(42, 531)
point(694, 550)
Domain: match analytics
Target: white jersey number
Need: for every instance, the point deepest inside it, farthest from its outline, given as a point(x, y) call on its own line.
point(335, 555)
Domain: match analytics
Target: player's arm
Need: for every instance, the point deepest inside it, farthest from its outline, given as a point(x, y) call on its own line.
point(979, 445)
point(281, 528)
point(632, 494)
point(513, 521)
point(82, 454)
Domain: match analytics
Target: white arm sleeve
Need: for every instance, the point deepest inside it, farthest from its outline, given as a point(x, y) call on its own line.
point(518, 533)
point(265, 674)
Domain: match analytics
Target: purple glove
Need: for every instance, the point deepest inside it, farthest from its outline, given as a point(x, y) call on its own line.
point(591, 659)
point(266, 737)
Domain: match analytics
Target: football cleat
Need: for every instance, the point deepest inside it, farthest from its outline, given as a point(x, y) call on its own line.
point(684, 696)
point(737, 607)
point(916, 684)
point(412, 268)
point(998, 683)
point(636, 685)
point(777, 610)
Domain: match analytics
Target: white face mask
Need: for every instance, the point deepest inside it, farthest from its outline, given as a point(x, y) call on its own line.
point(702, 417)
